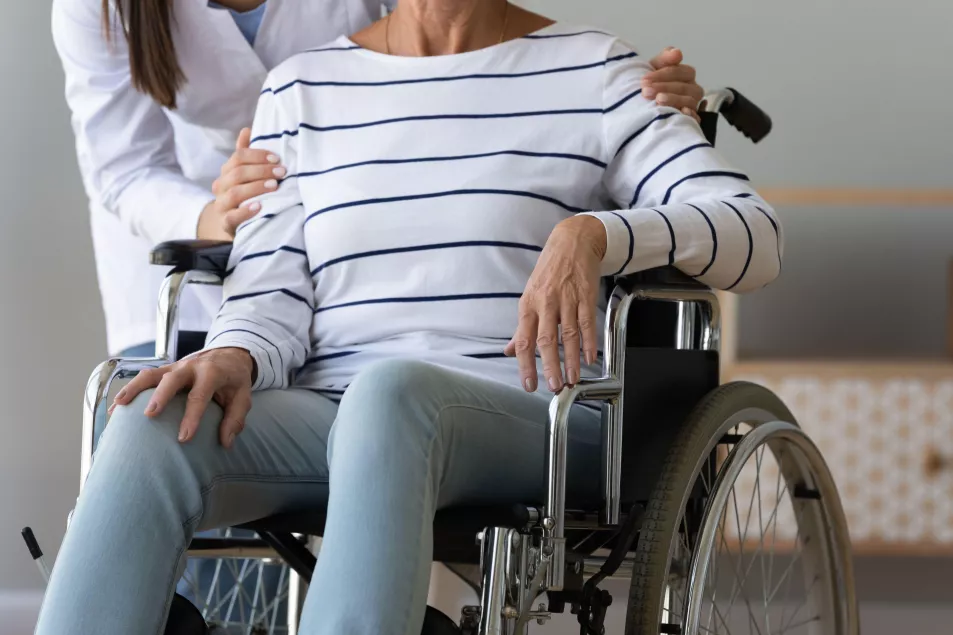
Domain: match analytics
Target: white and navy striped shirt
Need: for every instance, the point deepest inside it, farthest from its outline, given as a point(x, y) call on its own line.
point(421, 191)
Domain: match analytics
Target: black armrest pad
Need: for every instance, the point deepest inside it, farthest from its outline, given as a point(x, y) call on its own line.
point(193, 255)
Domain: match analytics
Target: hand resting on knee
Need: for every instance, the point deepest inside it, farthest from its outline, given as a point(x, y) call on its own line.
point(224, 375)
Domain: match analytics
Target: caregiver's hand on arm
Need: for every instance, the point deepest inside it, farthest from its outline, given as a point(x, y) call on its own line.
point(247, 174)
point(224, 375)
point(561, 296)
point(672, 83)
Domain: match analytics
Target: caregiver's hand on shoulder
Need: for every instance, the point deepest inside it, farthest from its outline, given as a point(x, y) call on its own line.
point(221, 374)
point(561, 297)
point(672, 83)
point(247, 174)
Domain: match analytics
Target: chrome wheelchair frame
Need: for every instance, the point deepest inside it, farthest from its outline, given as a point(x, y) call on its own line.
point(520, 561)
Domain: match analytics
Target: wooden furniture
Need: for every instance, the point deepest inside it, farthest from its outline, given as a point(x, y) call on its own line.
point(886, 431)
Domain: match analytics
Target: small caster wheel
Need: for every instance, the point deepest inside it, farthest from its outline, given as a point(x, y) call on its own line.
point(185, 619)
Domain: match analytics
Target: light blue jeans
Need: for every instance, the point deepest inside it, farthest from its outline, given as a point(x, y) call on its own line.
point(408, 438)
point(201, 570)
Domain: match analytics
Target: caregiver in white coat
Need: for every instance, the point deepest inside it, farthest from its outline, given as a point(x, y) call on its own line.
point(158, 108)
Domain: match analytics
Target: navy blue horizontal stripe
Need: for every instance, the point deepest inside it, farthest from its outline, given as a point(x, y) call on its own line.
point(531, 36)
point(750, 246)
point(631, 244)
point(622, 101)
point(701, 175)
point(671, 233)
point(487, 356)
point(743, 195)
point(449, 78)
point(323, 358)
point(714, 239)
point(462, 157)
point(271, 364)
point(403, 250)
point(430, 298)
point(263, 254)
point(334, 48)
point(383, 122)
point(417, 197)
point(638, 190)
point(638, 132)
point(255, 294)
point(259, 335)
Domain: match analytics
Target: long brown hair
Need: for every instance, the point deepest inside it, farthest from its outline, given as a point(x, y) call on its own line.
point(147, 27)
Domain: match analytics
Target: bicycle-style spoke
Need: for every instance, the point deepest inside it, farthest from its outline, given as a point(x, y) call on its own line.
point(741, 590)
point(799, 607)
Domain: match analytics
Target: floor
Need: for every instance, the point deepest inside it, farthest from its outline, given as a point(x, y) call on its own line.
point(898, 596)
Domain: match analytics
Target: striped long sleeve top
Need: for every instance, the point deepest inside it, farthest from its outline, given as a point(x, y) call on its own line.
point(422, 190)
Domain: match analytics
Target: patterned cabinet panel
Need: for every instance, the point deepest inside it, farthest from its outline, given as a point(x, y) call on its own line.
point(888, 439)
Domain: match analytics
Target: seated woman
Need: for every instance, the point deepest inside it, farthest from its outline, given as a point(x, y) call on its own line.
point(385, 307)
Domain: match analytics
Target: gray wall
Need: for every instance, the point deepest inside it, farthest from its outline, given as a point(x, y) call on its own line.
point(841, 79)
point(858, 90)
point(50, 317)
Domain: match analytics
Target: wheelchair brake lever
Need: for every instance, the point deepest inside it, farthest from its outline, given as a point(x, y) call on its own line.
point(535, 587)
point(36, 553)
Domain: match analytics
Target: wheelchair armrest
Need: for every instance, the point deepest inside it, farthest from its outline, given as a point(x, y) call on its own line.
point(193, 255)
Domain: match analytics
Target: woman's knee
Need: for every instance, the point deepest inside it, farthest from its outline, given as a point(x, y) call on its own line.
point(133, 441)
point(393, 401)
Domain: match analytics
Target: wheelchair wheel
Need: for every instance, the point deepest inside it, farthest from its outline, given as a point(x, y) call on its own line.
point(744, 531)
point(239, 596)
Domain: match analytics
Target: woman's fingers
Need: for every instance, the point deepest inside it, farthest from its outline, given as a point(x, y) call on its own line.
point(251, 173)
point(172, 384)
point(523, 346)
point(250, 156)
point(244, 139)
point(238, 216)
point(569, 325)
point(236, 409)
point(547, 341)
point(587, 328)
point(143, 381)
point(677, 101)
point(238, 194)
point(680, 74)
point(196, 403)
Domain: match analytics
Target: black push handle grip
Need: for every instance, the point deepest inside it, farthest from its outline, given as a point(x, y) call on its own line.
point(749, 119)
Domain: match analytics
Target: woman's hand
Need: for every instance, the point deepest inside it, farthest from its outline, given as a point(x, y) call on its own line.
point(673, 83)
point(247, 174)
point(561, 297)
point(222, 374)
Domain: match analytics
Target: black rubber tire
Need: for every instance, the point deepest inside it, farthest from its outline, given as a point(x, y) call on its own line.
point(699, 435)
point(184, 618)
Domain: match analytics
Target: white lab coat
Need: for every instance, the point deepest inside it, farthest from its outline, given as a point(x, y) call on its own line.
point(148, 171)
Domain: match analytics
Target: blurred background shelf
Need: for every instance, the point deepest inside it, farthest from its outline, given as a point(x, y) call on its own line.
point(886, 431)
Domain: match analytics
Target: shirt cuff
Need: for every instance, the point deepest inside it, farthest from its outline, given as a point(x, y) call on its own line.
point(636, 240)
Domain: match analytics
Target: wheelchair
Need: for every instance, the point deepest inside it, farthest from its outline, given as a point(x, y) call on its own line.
point(679, 451)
